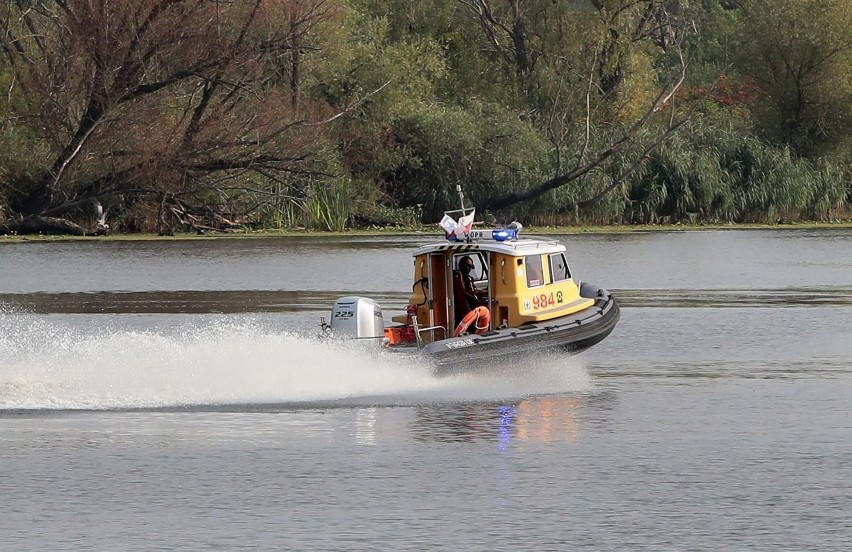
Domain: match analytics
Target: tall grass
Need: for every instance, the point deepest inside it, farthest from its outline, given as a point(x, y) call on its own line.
point(723, 177)
point(326, 207)
point(708, 173)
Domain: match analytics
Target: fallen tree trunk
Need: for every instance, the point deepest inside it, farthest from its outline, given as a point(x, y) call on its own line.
point(47, 225)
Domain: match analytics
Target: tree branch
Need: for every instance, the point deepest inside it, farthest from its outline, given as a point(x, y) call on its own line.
point(664, 96)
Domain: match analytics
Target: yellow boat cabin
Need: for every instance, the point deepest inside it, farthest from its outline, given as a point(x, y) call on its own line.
point(517, 280)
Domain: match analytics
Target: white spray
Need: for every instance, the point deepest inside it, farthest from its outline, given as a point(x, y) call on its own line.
point(48, 363)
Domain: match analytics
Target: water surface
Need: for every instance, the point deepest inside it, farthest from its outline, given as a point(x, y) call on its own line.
point(172, 395)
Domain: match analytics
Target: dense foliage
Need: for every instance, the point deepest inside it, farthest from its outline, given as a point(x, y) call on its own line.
point(176, 114)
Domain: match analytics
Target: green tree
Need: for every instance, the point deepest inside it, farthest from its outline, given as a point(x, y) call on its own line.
point(800, 54)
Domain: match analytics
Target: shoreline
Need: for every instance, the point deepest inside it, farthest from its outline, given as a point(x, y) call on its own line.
point(430, 230)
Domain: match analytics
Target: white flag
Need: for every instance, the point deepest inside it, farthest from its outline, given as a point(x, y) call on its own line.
point(449, 225)
point(466, 223)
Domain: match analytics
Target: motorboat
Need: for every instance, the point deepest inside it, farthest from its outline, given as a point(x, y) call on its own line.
point(529, 301)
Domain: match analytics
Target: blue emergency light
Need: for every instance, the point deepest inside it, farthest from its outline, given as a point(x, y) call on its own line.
point(504, 234)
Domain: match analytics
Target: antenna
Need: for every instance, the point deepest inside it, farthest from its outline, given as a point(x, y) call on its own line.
point(461, 198)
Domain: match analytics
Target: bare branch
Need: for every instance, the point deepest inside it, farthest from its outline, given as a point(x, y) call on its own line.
point(664, 96)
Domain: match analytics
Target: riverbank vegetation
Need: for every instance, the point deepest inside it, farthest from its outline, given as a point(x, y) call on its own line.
point(168, 115)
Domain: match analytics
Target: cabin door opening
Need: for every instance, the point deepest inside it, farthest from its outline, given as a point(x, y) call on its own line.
point(481, 281)
point(439, 304)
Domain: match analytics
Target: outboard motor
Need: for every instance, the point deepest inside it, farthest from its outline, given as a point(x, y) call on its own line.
point(358, 318)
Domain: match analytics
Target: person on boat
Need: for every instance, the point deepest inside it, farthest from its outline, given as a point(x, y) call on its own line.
point(466, 296)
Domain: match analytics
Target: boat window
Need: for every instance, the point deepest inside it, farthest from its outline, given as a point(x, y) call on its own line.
point(535, 272)
point(559, 270)
point(480, 270)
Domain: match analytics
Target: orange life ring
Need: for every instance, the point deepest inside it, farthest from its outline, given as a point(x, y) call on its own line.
point(482, 317)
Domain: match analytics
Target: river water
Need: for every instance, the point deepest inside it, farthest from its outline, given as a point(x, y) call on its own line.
point(171, 395)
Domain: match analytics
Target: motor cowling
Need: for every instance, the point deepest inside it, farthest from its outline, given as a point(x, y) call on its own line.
point(358, 318)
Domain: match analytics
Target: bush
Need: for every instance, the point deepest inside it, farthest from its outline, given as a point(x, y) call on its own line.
point(486, 149)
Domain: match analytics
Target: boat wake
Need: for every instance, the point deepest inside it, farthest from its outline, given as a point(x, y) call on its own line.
point(53, 364)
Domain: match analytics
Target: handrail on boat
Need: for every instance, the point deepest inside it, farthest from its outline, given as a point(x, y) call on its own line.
point(418, 330)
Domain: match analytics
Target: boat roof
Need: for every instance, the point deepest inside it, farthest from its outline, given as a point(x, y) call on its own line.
point(515, 248)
